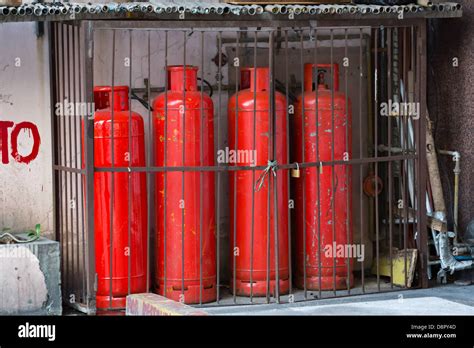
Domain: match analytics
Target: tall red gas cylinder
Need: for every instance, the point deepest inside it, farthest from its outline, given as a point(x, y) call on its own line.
point(251, 235)
point(183, 224)
point(326, 266)
point(129, 252)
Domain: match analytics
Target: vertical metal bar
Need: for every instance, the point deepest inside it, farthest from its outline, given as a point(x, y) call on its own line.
point(333, 167)
point(269, 227)
point(236, 134)
point(396, 68)
point(305, 290)
point(89, 159)
point(129, 175)
point(287, 106)
point(422, 179)
point(82, 156)
point(377, 236)
point(201, 156)
point(389, 141)
point(64, 147)
point(348, 152)
point(253, 171)
point(165, 174)
point(149, 162)
point(112, 174)
point(414, 123)
point(219, 107)
point(361, 154)
point(77, 176)
point(69, 164)
point(57, 129)
point(319, 168)
point(184, 163)
point(274, 179)
point(53, 75)
point(406, 146)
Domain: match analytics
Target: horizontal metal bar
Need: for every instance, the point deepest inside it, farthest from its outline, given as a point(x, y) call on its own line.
point(233, 168)
point(68, 169)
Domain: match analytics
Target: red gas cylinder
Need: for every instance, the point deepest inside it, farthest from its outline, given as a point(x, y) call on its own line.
point(124, 249)
point(188, 118)
point(307, 211)
point(255, 101)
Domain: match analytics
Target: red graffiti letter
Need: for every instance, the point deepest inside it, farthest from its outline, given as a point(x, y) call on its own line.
point(36, 142)
point(4, 125)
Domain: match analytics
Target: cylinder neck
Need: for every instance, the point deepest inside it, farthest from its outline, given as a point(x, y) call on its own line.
point(256, 79)
point(182, 78)
point(103, 98)
point(323, 75)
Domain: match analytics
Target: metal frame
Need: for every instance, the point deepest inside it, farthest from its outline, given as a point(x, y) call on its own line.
point(82, 60)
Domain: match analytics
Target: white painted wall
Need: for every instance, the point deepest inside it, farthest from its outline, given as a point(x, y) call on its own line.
point(25, 189)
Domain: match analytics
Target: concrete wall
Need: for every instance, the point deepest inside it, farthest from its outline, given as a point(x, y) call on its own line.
point(451, 103)
point(25, 188)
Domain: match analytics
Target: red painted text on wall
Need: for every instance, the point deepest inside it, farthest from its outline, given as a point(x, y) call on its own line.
point(6, 145)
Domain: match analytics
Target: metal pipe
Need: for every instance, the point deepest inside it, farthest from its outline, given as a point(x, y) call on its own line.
point(448, 262)
point(38, 10)
point(452, 6)
point(352, 9)
point(325, 9)
point(426, 3)
point(219, 9)
point(275, 9)
point(158, 9)
point(29, 10)
point(374, 9)
point(251, 10)
point(457, 172)
point(146, 8)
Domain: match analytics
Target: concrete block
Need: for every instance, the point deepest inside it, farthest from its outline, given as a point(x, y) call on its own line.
point(30, 281)
point(153, 304)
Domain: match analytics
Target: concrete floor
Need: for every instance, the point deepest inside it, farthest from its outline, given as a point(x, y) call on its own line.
point(442, 300)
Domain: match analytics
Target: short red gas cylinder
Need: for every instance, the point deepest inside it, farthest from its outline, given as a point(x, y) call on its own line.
point(185, 225)
point(252, 230)
point(128, 250)
point(326, 268)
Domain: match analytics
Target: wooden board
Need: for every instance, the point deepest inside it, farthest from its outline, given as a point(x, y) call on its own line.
point(10, 2)
point(398, 266)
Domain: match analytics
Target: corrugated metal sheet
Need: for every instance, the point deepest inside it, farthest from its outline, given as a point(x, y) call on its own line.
point(173, 9)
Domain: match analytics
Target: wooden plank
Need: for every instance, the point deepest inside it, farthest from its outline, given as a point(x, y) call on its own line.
point(10, 2)
point(398, 266)
point(437, 224)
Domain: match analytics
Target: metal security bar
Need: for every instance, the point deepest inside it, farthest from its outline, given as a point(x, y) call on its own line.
point(239, 165)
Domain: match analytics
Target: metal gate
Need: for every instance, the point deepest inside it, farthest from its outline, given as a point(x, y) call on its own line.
point(382, 74)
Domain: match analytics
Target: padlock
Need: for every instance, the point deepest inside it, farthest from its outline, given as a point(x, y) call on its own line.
point(295, 172)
